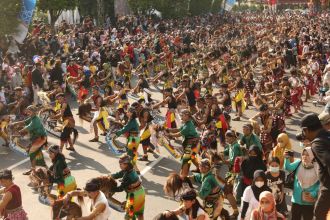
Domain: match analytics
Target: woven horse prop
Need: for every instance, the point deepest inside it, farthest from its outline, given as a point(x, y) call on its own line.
point(60, 208)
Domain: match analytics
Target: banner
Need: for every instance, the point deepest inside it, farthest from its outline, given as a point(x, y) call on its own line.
point(229, 4)
point(25, 16)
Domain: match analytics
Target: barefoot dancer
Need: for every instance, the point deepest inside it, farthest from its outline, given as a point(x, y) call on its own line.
point(190, 142)
point(38, 137)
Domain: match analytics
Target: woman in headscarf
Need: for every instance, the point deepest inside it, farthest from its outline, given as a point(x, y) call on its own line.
point(306, 184)
point(267, 208)
point(251, 164)
point(283, 144)
point(251, 194)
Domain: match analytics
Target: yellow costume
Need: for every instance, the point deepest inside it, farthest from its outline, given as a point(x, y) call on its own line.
point(283, 144)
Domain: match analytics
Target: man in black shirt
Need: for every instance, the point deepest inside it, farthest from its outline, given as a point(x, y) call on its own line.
point(37, 82)
point(313, 131)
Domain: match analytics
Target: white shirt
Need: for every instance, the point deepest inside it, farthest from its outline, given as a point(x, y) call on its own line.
point(105, 215)
point(200, 212)
point(249, 197)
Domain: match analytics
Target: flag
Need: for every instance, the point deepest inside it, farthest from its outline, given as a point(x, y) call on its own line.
point(229, 4)
point(25, 16)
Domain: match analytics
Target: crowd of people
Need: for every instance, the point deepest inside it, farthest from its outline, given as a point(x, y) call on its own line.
point(210, 69)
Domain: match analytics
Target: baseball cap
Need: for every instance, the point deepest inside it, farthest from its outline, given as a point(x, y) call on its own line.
point(311, 121)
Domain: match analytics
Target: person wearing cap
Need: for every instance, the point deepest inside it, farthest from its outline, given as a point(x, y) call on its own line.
point(232, 148)
point(131, 131)
point(11, 202)
point(132, 185)
point(249, 138)
point(99, 206)
point(59, 172)
point(66, 115)
point(210, 190)
point(325, 120)
point(190, 142)
point(313, 131)
point(190, 208)
point(172, 105)
point(38, 137)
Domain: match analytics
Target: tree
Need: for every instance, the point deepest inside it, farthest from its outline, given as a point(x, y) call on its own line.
point(216, 6)
point(172, 8)
point(56, 7)
point(198, 7)
point(9, 11)
point(141, 6)
point(99, 11)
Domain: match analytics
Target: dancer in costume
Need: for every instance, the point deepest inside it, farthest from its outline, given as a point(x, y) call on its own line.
point(210, 191)
point(190, 143)
point(38, 137)
point(68, 123)
point(131, 184)
point(100, 119)
point(131, 131)
point(171, 105)
point(59, 172)
point(145, 122)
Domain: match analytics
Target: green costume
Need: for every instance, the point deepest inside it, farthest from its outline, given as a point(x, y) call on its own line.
point(131, 131)
point(35, 127)
point(252, 139)
point(135, 194)
point(37, 131)
point(209, 191)
point(190, 142)
point(232, 151)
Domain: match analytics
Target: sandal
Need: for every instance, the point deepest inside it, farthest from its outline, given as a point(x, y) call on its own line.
point(27, 172)
point(144, 158)
point(96, 139)
point(70, 149)
point(236, 119)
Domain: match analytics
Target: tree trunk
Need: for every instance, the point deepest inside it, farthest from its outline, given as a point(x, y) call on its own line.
point(100, 12)
point(53, 18)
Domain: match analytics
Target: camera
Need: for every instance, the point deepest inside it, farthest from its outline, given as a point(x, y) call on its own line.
point(291, 153)
point(300, 137)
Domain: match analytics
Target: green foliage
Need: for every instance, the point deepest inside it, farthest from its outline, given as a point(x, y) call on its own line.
point(168, 8)
point(172, 8)
point(198, 7)
point(56, 7)
point(90, 8)
point(141, 6)
point(216, 6)
point(9, 10)
point(244, 7)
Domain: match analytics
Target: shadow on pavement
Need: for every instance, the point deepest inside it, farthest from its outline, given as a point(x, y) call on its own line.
point(83, 163)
